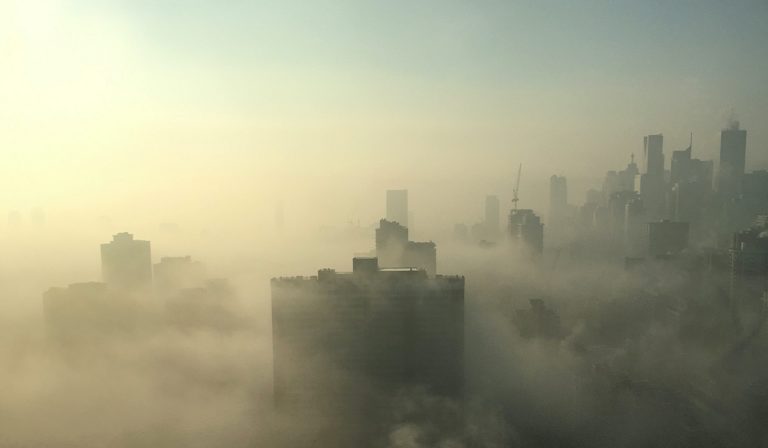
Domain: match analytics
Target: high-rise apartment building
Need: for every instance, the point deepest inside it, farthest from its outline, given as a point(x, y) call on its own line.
point(492, 217)
point(652, 180)
point(126, 263)
point(526, 228)
point(558, 199)
point(386, 328)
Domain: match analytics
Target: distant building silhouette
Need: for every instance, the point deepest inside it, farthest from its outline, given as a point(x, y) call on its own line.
point(488, 231)
point(172, 274)
point(394, 250)
point(526, 229)
point(586, 213)
point(611, 184)
point(126, 263)
point(422, 255)
point(492, 218)
point(460, 232)
point(667, 238)
point(207, 305)
point(754, 195)
point(686, 169)
point(733, 151)
point(740, 210)
point(653, 155)
point(86, 313)
point(635, 228)
point(397, 206)
point(619, 181)
point(539, 321)
point(391, 328)
point(689, 195)
point(628, 176)
point(558, 202)
point(558, 192)
point(680, 165)
point(592, 196)
point(391, 240)
point(617, 209)
point(603, 221)
point(749, 268)
point(652, 181)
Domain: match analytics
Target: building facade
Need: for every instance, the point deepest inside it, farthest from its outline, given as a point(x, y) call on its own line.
point(126, 263)
point(386, 328)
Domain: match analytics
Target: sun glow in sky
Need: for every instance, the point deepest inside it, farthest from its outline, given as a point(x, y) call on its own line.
point(203, 110)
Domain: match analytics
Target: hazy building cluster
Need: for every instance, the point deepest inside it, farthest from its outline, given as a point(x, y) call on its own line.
point(635, 315)
point(383, 224)
point(135, 295)
point(713, 204)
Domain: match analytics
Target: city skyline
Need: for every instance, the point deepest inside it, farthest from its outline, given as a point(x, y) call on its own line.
point(398, 224)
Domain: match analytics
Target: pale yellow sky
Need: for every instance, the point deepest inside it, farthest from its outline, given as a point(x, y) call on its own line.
point(151, 112)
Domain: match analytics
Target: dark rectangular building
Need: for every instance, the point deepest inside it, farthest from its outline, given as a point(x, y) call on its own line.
point(667, 238)
point(733, 152)
point(386, 328)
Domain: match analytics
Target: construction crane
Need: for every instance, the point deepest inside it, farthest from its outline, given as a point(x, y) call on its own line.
point(515, 199)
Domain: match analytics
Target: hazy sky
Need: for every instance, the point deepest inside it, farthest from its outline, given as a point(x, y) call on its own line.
point(181, 110)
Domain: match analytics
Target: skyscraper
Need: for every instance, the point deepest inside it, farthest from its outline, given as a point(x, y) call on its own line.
point(733, 150)
point(526, 229)
point(627, 175)
point(680, 165)
point(397, 206)
point(635, 228)
point(652, 182)
point(394, 250)
point(617, 181)
point(653, 155)
point(126, 263)
point(688, 202)
point(491, 217)
point(558, 198)
point(617, 208)
point(690, 190)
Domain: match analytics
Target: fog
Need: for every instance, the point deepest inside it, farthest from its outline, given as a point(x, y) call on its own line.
point(260, 139)
point(622, 374)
